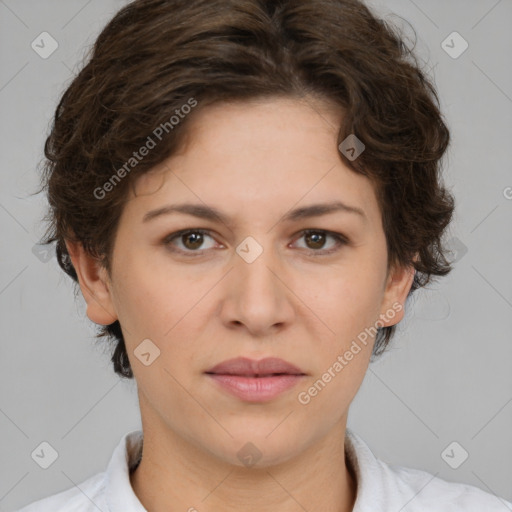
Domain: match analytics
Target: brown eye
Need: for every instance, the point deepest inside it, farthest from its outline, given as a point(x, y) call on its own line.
point(316, 240)
point(191, 240)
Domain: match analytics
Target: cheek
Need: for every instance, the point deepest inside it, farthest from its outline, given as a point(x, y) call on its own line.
point(166, 312)
point(349, 298)
point(142, 299)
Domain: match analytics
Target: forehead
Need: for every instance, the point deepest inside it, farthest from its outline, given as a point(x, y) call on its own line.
point(260, 157)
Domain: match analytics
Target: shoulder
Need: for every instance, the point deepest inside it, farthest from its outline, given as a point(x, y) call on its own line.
point(421, 491)
point(88, 496)
point(101, 490)
point(382, 487)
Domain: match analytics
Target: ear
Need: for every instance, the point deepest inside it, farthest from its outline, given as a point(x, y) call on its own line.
point(397, 287)
point(94, 283)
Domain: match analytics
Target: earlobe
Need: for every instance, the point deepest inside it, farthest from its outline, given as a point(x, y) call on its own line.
point(92, 278)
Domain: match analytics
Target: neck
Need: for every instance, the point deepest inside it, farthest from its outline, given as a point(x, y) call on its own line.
point(176, 475)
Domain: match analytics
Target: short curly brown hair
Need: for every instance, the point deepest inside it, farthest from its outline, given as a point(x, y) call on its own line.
point(155, 55)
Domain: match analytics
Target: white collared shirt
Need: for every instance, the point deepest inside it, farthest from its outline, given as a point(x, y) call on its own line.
point(381, 487)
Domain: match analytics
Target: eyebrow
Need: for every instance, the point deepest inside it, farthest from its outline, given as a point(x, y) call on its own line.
point(213, 214)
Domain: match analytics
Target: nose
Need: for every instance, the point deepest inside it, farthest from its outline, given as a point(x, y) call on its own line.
point(256, 293)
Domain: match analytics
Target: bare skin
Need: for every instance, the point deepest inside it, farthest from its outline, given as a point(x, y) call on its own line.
point(254, 162)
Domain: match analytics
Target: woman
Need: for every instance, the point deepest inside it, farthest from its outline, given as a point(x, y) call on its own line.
point(246, 193)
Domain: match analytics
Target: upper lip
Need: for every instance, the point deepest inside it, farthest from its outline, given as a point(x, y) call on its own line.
point(245, 366)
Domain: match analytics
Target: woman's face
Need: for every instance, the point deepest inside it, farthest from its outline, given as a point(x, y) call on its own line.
point(254, 285)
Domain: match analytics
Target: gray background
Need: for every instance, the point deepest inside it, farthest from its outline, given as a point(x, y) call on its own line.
point(447, 377)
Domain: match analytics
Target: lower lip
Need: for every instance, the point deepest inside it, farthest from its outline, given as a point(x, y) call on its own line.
point(256, 389)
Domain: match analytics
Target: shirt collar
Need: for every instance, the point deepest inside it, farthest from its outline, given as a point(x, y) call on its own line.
point(119, 492)
point(370, 474)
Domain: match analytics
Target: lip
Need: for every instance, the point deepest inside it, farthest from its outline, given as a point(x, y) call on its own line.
point(256, 381)
point(250, 367)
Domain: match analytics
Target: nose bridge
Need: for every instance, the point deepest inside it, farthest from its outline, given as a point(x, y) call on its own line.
point(255, 261)
point(257, 297)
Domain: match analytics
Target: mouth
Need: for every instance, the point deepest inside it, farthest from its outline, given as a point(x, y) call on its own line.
point(255, 381)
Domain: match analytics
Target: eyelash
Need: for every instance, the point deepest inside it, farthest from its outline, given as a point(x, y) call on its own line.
point(341, 241)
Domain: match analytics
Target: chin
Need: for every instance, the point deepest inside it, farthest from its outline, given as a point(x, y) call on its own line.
point(258, 450)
